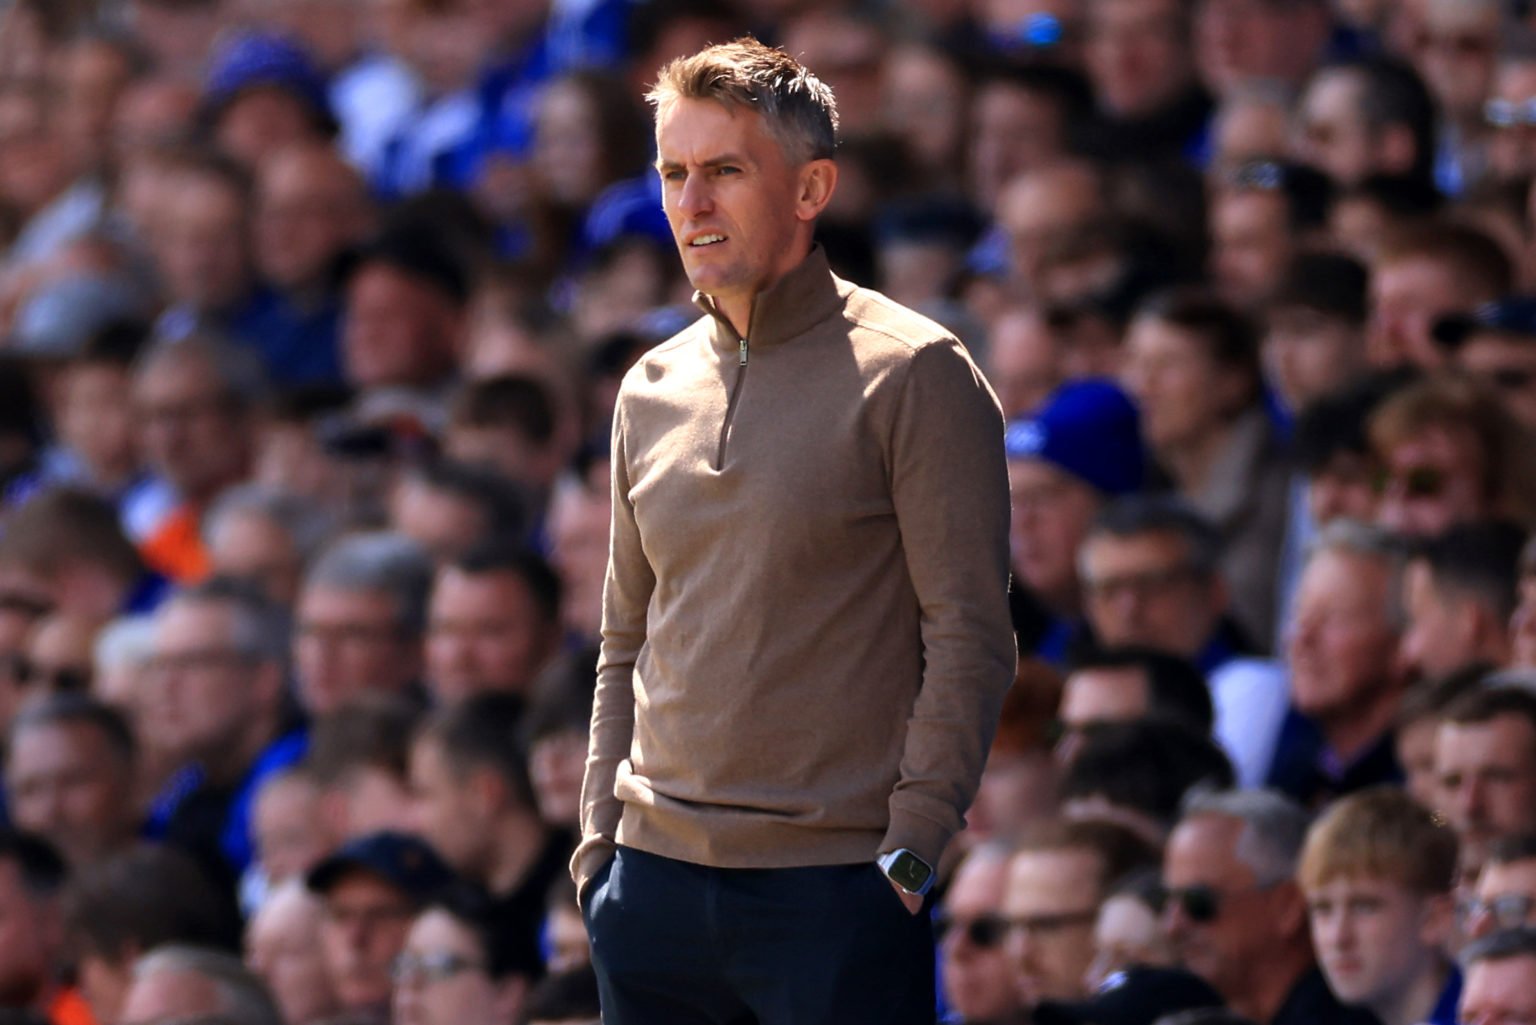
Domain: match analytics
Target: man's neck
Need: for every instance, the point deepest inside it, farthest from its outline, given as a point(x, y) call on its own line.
point(1271, 982)
point(1415, 1002)
point(520, 838)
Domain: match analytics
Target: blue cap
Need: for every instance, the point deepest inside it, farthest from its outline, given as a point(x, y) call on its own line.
point(1091, 430)
point(404, 860)
point(253, 59)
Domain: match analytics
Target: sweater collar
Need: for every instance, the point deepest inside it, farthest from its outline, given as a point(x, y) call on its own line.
point(786, 309)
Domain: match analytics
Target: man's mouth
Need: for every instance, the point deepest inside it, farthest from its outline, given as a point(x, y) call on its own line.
point(705, 240)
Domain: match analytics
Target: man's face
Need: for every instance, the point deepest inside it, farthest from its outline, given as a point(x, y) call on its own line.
point(1501, 992)
point(1374, 938)
point(1487, 776)
point(1101, 694)
point(1507, 363)
point(732, 197)
point(1253, 241)
point(1345, 488)
point(1342, 644)
point(1332, 135)
point(1180, 390)
point(1023, 362)
point(348, 643)
point(1456, 53)
point(200, 690)
point(286, 823)
point(309, 207)
point(485, 633)
point(1042, 208)
point(1407, 296)
point(29, 940)
point(1433, 481)
point(1138, 54)
point(446, 814)
point(443, 522)
point(1240, 40)
point(399, 331)
point(1012, 131)
point(253, 547)
point(186, 428)
point(1512, 148)
point(282, 945)
point(1506, 891)
point(1230, 949)
point(365, 926)
point(65, 782)
point(1309, 353)
point(1442, 635)
point(979, 979)
point(200, 244)
point(1142, 590)
point(1052, 899)
point(427, 995)
point(1051, 512)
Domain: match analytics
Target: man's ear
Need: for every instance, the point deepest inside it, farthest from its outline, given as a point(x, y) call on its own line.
point(818, 179)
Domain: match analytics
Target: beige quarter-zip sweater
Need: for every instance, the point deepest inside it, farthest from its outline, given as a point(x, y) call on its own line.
point(806, 636)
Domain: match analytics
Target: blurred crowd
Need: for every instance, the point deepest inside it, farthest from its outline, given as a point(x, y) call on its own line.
point(313, 316)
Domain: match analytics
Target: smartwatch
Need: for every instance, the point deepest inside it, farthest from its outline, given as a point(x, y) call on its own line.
point(907, 870)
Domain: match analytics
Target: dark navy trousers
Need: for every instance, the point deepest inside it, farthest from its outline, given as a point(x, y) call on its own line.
point(681, 944)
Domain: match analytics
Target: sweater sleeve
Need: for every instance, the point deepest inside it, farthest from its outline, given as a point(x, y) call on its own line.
point(626, 596)
point(949, 484)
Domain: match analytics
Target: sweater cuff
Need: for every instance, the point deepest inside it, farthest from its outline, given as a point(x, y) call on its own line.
point(922, 836)
point(590, 856)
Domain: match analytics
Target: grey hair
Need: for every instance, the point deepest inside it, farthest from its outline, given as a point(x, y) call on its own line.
point(305, 523)
point(242, 378)
point(1502, 945)
point(243, 998)
point(260, 630)
point(125, 641)
point(1135, 515)
point(1274, 828)
point(797, 107)
point(381, 561)
point(1364, 541)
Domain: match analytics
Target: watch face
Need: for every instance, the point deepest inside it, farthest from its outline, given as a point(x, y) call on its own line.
point(909, 872)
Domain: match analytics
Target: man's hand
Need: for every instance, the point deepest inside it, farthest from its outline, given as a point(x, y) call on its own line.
point(913, 902)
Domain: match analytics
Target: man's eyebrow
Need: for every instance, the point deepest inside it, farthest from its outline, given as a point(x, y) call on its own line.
point(720, 161)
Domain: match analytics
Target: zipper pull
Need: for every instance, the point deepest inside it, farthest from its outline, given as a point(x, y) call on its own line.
point(743, 352)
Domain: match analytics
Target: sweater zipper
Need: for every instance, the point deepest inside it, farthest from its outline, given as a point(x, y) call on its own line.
point(730, 408)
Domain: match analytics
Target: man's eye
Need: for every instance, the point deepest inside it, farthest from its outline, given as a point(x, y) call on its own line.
point(727, 170)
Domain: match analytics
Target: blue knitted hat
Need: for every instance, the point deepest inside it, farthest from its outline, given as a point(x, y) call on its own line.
point(1088, 428)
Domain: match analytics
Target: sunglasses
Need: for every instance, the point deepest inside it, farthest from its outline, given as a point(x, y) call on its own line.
point(985, 931)
point(1509, 114)
point(1201, 903)
point(1417, 482)
point(1509, 911)
point(54, 679)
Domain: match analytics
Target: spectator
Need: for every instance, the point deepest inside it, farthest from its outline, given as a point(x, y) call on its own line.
point(1018, 784)
point(1460, 595)
point(1457, 52)
point(1129, 929)
point(978, 977)
point(1505, 893)
point(458, 969)
point(1127, 684)
point(359, 621)
point(359, 756)
point(512, 425)
point(1345, 675)
point(1237, 41)
point(176, 982)
point(476, 806)
point(265, 538)
point(1262, 215)
point(1140, 59)
point(1485, 758)
point(262, 93)
point(1507, 114)
point(1235, 916)
point(1418, 722)
point(1501, 979)
point(69, 774)
point(1043, 206)
point(1422, 275)
point(282, 947)
point(1496, 344)
point(1022, 119)
point(134, 902)
point(449, 508)
point(372, 888)
point(32, 875)
point(1367, 116)
point(1080, 449)
point(1378, 872)
point(1314, 328)
point(577, 525)
point(289, 825)
point(1056, 881)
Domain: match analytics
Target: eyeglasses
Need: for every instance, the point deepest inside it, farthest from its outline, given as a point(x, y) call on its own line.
point(1510, 114)
point(985, 931)
point(1508, 911)
point(436, 966)
point(1414, 482)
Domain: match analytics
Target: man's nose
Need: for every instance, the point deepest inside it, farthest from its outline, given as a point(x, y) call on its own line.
point(696, 197)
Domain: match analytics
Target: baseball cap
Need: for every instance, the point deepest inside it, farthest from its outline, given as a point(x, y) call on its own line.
point(1137, 996)
point(401, 859)
point(252, 59)
point(1088, 428)
point(1514, 315)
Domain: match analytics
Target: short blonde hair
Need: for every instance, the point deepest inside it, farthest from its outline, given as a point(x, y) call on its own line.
point(1380, 833)
point(798, 108)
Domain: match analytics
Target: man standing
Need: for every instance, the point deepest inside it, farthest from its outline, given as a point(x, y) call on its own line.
point(805, 634)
